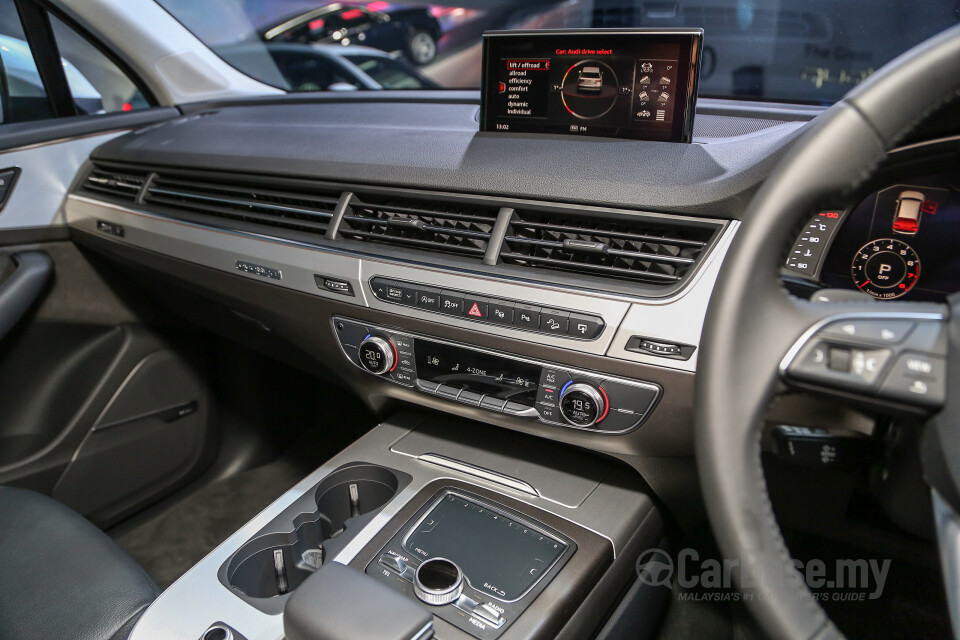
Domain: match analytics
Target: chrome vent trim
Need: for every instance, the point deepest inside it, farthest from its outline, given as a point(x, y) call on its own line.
point(118, 183)
point(642, 249)
point(441, 227)
point(244, 200)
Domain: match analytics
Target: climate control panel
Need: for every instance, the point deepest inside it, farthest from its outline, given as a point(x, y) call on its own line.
point(498, 382)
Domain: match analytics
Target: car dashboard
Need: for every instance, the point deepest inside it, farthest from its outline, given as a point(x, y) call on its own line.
point(473, 289)
point(340, 222)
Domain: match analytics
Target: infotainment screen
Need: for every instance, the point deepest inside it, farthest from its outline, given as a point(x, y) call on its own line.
point(633, 83)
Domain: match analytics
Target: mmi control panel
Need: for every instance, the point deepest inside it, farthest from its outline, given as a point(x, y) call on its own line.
point(477, 564)
point(498, 382)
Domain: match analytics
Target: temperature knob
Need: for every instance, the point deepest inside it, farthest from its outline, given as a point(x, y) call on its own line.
point(582, 404)
point(377, 355)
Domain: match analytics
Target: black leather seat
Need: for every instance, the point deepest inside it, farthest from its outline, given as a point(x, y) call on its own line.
point(61, 577)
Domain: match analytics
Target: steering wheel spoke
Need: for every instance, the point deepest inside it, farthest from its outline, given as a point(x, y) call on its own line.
point(874, 355)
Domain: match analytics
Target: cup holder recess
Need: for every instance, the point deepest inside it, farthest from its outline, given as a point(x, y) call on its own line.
point(316, 527)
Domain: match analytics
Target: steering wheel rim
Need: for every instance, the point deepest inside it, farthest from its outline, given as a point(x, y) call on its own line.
point(752, 321)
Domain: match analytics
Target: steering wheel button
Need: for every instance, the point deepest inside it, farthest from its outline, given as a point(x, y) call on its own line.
point(840, 367)
point(917, 378)
point(839, 359)
point(879, 331)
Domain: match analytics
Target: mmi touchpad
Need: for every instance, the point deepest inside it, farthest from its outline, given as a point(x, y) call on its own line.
point(499, 554)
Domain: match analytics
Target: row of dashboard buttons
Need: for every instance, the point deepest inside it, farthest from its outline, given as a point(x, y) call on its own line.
point(475, 399)
point(493, 310)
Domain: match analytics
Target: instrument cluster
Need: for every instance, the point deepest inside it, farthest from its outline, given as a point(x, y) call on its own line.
point(900, 242)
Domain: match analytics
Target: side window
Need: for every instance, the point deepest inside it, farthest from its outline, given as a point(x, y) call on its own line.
point(22, 94)
point(94, 83)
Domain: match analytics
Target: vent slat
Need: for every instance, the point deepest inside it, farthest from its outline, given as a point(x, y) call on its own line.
point(225, 201)
point(613, 234)
point(249, 216)
point(120, 184)
point(403, 222)
point(518, 258)
point(641, 249)
point(233, 190)
point(415, 242)
point(635, 255)
point(239, 199)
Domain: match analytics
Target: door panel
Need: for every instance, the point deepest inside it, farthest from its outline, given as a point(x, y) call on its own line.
point(104, 402)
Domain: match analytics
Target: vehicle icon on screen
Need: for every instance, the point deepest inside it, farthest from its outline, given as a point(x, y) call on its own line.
point(906, 219)
point(590, 80)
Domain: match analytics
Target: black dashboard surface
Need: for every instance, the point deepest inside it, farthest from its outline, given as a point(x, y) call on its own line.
point(437, 145)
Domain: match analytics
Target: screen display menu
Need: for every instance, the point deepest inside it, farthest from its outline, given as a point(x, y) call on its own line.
point(639, 84)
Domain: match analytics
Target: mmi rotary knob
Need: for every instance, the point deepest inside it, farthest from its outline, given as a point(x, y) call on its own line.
point(438, 581)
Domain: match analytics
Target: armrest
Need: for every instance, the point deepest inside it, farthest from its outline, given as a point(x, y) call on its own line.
point(23, 287)
point(341, 603)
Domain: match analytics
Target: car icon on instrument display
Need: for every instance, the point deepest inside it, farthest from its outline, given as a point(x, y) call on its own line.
point(590, 80)
point(906, 219)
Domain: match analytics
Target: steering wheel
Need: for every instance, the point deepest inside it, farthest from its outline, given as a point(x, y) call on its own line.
point(760, 341)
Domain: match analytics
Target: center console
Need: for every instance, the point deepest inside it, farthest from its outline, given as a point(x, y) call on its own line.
point(495, 534)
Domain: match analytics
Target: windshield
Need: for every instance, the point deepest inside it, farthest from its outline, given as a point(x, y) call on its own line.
point(810, 51)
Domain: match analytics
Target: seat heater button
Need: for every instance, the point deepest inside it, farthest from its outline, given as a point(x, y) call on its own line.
point(427, 387)
point(469, 397)
point(492, 404)
point(447, 391)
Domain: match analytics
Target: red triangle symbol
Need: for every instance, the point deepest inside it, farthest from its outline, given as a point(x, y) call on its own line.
point(475, 311)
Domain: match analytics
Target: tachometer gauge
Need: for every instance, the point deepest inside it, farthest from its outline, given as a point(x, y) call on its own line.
point(886, 268)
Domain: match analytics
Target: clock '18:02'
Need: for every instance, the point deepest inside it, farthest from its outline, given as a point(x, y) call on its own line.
point(886, 268)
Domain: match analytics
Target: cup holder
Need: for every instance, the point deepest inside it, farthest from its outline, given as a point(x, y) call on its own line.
point(295, 544)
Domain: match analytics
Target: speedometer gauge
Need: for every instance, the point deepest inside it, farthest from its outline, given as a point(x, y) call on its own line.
point(886, 268)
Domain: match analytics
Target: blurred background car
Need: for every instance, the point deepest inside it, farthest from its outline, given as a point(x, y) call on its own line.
point(413, 31)
point(326, 67)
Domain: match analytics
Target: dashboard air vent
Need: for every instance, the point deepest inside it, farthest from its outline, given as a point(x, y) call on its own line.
point(419, 224)
point(637, 249)
point(242, 199)
point(123, 184)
